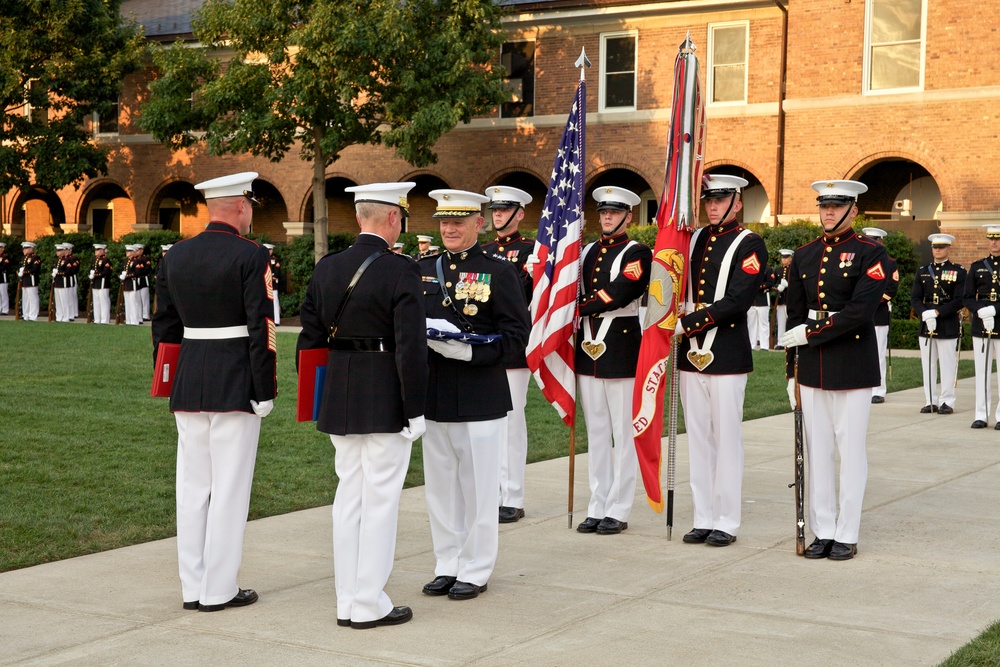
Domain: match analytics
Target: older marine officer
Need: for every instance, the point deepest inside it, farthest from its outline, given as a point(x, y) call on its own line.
point(507, 206)
point(469, 296)
point(213, 297)
point(837, 282)
point(366, 305)
point(981, 295)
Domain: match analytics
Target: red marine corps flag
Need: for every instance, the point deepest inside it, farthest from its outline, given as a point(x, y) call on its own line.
point(676, 217)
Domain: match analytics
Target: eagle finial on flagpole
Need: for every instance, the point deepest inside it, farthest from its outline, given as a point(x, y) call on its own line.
point(583, 62)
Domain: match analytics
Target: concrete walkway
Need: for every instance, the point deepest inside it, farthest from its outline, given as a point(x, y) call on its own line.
point(924, 583)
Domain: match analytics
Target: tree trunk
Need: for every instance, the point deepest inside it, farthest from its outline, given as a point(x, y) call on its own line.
point(320, 212)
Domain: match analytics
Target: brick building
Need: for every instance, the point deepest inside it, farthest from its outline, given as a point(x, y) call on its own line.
point(899, 94)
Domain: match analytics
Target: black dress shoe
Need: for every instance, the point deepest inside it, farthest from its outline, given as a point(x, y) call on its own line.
point(819, 548)
point(841, 551)
point(191, 606)
point(926, 410)
point(588, 525)
point(878, 399)
point(979, 423)
point(465, 591)
point(609, 526)
point(395, 617)
point(243, 598)
point(717, 538)
point(440, 585)
point(779, 347)
point(997, 427)
point(344, 622)
point(945, 410)
point(697, 536)
point(511, 514)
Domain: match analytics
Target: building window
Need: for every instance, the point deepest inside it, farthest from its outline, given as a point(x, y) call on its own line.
point(618, 68)
point(518, 59)
point(728, 49)
point(107, 124)
point(35, 114)
point(894, 45)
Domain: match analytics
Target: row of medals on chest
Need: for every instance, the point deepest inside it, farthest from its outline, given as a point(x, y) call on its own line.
point(474, 287)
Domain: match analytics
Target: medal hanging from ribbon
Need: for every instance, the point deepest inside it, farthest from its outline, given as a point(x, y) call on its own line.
point(473, 287)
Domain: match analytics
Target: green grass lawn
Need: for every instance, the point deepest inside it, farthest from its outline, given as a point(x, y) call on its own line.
point(87, 457)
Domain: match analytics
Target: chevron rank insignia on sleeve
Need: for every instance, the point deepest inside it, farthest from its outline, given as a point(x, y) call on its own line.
point(751, 264)
point(633, 270)
point(876, 272)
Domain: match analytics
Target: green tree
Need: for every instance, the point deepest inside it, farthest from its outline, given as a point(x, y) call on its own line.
point(325, 75)
point(60, 61)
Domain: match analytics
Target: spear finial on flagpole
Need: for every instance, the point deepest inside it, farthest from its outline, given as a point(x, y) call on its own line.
point(687, 46)
point(582, 62)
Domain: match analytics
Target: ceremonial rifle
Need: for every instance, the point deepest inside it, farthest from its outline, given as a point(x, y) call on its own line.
point(118, 304)
point(17, 300)
point(52, 300)
point(90, 302)
point(799, 483)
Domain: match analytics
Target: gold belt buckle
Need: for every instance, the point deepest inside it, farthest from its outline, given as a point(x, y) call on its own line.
point(700, 306)
point(822, 315)
point(935, 299)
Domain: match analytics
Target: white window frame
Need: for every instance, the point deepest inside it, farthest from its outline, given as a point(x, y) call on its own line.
point(866, 69)
point(97, 123)
point(604, 70)
point(711, 63)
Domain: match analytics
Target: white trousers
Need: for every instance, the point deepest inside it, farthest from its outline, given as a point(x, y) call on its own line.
point(277, 319)
point(29, 303)
point(133, 307)
point(371, 469)
point(216, 452)
point(611, 458)
point(144, 300)
point(984, 393)
point(64, 297)
point(102, 305)
point(945, 356)
point(882, 336)
point(514, 456)
point(713, 417)
point(781, 315)
point(759, 326)
point(461, 478)
point(4, 299)
point(836, 419)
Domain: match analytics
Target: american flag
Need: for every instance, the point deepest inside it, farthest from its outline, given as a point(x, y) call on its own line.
point(557, 274)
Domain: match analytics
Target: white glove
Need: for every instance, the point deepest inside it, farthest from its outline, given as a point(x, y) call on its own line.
point(794, 337)
point(783, 285)
point(122, 276)
point(679, 329)
point(791, 392)
point(987, 311)
point(441, 325)
point(91, 274)
point(929, 315)
point(20, 272)
point(931, 323)
point(415, 429)
point(988, 323)
point(529, 262)
point(55, 272)
point(451, 349)
point(263, 408)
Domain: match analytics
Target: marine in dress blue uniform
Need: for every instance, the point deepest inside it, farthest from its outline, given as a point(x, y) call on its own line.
point(507, 206)
point(759, 315)
point(64, 283)
point(980, 296)
point(471, 293)
point(936, 298)
point(883, 314)
point(100, 284)
point(214, 299)
point(374, 396)
point(781, 298)
point(29, 275)
point(614, 276)
point(276, 278)
point(727, 268)
point(4, 279)
point(836, 284)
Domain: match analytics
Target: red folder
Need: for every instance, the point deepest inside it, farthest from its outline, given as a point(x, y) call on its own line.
point(166, 368)
point(312, 374)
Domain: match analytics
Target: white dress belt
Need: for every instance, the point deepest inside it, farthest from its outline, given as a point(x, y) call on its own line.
point(216, 333)
point(820, 314)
